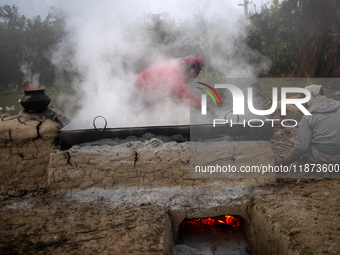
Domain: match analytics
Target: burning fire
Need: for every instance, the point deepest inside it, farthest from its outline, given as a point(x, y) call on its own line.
point(220, 221)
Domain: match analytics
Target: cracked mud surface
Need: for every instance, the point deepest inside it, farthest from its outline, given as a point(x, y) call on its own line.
point(303, 212)
point(25, 143)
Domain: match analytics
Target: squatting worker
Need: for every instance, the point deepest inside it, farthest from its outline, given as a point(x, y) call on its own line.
point(173, 76)
point(319, 133)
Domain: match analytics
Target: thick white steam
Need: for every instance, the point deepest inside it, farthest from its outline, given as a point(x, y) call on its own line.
point(106, 54)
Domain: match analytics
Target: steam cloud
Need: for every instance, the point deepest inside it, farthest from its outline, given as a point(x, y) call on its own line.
point(106, 55)
point(25, 68)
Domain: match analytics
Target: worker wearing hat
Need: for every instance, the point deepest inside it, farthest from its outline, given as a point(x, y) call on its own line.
point(319, 133)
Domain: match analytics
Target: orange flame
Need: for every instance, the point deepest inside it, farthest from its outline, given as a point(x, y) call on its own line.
point(221, 220)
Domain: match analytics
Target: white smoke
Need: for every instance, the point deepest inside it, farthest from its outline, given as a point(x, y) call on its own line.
point(107, 55)
point(25, 68)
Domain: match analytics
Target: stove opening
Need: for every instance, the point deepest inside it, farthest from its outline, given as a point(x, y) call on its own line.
point(216, 235)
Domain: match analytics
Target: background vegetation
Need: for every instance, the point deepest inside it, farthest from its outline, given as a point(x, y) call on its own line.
point(301, 38)
point(26, 46)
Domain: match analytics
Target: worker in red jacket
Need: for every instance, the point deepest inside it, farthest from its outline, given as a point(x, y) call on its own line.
point(172, 77)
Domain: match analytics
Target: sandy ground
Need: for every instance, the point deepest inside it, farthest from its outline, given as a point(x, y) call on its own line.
point(44, 224)
point(306, 212)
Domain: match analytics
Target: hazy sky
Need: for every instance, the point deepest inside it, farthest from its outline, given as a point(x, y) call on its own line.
point(132, 9)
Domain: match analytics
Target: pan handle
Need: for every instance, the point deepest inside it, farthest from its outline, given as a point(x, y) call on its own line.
point(238, 118)
point(94, 124)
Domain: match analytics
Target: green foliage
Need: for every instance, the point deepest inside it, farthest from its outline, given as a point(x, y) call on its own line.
point(274, 33)
point(294, 246)
point(27, 42)
point(282, 56)
point(10, 88)
point(13, 87)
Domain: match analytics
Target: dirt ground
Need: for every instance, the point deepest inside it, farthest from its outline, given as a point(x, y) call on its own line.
point(305, 211)
point(41, 223)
